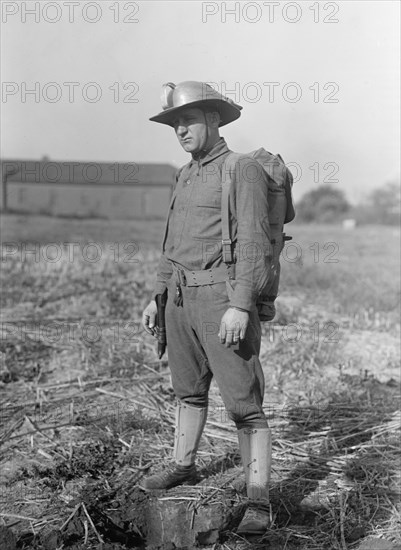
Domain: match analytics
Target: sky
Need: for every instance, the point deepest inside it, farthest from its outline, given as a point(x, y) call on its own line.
point(318, 81)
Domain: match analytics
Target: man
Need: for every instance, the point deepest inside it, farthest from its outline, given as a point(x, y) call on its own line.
point(212, 323)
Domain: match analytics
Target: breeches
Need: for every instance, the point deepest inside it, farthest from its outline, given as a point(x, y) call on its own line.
point(196, 355)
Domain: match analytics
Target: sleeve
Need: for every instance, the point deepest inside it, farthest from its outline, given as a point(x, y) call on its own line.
point(164, 272)
point(164, 269)
point(253, 249)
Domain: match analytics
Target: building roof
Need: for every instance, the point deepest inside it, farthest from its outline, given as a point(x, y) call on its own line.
point(70, 172)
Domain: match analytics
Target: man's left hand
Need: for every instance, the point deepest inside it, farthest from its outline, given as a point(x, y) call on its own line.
point(233, 326)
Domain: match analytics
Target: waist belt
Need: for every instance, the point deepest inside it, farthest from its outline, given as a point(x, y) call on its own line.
point(204, 276)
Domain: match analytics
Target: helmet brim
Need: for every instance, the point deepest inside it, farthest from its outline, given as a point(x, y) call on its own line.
point(228, 112)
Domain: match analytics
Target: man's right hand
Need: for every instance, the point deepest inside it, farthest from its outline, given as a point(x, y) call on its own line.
point(149, 318)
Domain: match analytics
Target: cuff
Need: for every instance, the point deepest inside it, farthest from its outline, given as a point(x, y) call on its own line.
point(243, 298)
point(158, 289)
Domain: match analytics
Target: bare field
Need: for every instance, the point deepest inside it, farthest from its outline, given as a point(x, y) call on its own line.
point(87, 409)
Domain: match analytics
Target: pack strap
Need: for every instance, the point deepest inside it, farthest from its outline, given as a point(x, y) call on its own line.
point(227, 178)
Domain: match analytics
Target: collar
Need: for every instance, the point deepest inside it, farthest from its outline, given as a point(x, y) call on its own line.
point(218, 149)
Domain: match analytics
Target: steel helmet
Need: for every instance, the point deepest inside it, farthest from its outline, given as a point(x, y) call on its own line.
point(194, 94)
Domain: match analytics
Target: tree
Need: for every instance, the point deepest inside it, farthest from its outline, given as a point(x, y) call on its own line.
point(381, 206)
point(384, 203)
point(325, 204)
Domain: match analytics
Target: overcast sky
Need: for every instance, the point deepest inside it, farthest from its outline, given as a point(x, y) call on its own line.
point(334, 105)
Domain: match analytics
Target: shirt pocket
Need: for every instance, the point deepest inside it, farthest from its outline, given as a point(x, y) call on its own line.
point(206, 215)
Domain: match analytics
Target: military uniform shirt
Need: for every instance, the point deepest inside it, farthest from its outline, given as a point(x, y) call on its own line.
point(192, 237)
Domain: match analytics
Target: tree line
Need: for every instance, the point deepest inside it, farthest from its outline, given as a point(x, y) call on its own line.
point(327, 204)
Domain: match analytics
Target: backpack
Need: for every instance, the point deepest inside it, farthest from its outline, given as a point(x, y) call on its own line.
point(280, 211)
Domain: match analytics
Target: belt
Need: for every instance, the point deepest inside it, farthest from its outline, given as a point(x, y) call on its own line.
point(204, 276)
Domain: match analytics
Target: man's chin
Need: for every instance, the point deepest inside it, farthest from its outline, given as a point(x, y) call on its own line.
point(189, 147)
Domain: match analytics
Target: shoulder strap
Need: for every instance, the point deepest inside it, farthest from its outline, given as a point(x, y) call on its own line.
point(227, 178)
point(178, 173)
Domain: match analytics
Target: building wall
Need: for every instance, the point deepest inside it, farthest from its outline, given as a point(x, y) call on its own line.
point(105, 201)
point(106, 190)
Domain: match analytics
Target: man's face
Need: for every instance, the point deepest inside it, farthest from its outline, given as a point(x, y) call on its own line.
point(190, 126)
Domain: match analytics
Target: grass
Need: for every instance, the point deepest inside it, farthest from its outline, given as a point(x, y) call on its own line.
point(354, 272)
point(87, 406)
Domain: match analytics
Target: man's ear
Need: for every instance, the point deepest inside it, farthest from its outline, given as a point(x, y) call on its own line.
point(213, 118)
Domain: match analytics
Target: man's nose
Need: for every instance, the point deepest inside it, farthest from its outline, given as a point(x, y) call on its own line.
point(181, 130)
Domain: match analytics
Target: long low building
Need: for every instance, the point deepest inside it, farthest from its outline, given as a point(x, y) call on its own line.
point(86, 189)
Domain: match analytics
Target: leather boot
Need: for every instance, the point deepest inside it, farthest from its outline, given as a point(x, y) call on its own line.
point(256, 455)
point(190, 422)
point(170, 477)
